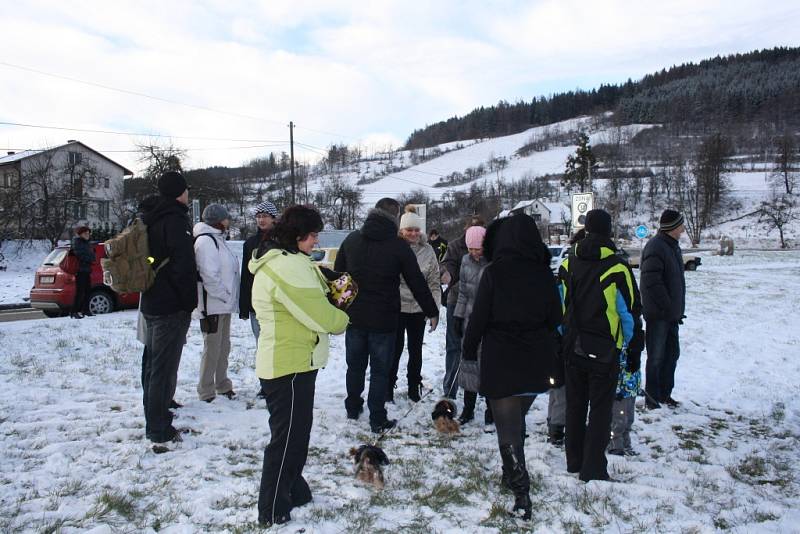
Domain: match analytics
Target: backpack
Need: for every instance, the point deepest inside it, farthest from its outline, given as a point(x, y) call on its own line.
point(128, 266)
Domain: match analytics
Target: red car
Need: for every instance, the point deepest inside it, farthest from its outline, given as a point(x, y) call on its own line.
point(54, 290)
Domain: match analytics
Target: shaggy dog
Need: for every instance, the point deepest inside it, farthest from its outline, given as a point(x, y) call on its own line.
point(443, 417)
point(368, 460)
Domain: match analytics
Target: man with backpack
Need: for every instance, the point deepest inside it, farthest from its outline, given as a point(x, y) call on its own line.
point(167, 305)
point(602, 316)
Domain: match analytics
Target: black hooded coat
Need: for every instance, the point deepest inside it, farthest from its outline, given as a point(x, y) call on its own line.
point(517, 310)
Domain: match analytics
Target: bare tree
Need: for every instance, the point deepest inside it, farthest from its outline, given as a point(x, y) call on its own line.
point(786, 162)
point(777, 212)
point(159, 156)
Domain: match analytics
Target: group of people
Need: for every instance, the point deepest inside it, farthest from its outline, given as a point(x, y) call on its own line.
point(530, 331)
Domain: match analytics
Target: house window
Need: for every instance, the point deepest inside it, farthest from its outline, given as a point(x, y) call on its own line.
point(78, 210)
point(75, 158)
point(103, 209)
point(90, 182)
point(106, 183)
point(6, 179)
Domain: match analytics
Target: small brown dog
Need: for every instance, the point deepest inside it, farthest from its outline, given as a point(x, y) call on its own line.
point(444, 417)
point(369, 460)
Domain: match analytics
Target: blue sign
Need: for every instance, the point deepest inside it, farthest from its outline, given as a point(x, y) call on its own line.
point(641, 231)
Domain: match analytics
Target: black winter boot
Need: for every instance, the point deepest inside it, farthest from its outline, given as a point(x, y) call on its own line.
point(518, 480)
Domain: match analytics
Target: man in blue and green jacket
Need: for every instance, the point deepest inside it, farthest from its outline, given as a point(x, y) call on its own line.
point(601, 315)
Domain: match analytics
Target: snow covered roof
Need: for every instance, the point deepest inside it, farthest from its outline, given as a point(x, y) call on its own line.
point(11, 158)
point(558, 211)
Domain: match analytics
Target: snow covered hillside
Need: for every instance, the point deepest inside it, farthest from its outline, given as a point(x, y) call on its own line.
point(73, 456)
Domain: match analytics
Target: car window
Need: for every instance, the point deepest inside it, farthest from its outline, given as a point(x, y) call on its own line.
point(317, 255)
point(555, 251)
point(55, 257)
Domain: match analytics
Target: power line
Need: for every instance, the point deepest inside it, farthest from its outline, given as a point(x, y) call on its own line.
point(113, 132)
point(198, 149)
point(162, 99)
point(136, 93)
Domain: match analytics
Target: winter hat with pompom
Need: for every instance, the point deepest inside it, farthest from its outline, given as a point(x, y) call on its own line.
point(410, 219)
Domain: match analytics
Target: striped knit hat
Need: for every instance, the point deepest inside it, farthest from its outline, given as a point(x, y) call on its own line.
point(670, 220)
point(266, 207)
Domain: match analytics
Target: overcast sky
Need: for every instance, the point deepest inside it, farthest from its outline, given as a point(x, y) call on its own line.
point(364, 72)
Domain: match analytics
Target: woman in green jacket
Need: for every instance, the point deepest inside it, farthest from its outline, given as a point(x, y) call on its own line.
point(295, 317)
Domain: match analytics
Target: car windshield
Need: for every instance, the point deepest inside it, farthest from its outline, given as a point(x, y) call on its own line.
point(555, 251)
point(317, 255)
point(55, 257)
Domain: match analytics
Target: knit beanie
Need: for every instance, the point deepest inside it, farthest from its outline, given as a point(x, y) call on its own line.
point(670, 220)
point(475, 235)
point(215, 214)
point(410, 219)
point(598, 222)
point(266, 207)
point(172, 184)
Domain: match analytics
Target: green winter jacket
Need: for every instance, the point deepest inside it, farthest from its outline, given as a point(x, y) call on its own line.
point(289, 298)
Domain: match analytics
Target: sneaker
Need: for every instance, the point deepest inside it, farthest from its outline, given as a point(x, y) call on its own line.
point(175, 405)
point(229, 394)
point(160, 447)
point(279, 520)
point(629, 451)
point(383, 427)
point(488, 418)
point(672, 403)
point(209, 400)
point(617, 452)
point(555, 435)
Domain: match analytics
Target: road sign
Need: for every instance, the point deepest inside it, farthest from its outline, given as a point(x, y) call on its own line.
point(642, 231)
point(195, 211)
point(581, 204)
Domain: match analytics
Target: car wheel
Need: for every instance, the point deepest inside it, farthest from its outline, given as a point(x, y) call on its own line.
point(53, 313)
point(691, 266)
point(100, 302)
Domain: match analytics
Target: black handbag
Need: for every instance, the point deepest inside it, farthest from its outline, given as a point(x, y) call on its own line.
point(209, 324)
point(469, 375)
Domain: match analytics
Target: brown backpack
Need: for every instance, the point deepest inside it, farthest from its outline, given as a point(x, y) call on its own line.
point(128, 266)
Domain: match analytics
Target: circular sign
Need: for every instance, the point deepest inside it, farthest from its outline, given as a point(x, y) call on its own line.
point(582, 207)
point(641, 231)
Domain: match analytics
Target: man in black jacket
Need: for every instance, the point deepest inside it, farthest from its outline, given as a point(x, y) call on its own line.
point(168, 304)
point(664, 300)
point(266, 214)
point(601, 320)
point(84, 251)
point(376, 257)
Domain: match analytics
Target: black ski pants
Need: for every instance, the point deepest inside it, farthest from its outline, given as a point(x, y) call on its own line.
point(413, 325)
point(290, 401)
point(589, 385)
point(82, 285)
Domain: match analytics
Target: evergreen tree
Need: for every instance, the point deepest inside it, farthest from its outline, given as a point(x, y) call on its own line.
point(580, 166)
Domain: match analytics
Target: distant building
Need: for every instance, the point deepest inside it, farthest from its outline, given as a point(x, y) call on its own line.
point(552, 218)
point(65, 185)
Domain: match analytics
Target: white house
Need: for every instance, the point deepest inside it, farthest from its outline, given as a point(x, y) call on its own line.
point(552, 218)
point(72, 181)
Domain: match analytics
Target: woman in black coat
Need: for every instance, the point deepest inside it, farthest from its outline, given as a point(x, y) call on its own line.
point(517, 310)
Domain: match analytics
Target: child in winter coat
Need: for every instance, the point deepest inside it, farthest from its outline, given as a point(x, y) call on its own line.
point(624, 404)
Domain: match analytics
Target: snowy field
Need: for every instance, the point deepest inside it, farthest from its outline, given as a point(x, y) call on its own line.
point(73, 456)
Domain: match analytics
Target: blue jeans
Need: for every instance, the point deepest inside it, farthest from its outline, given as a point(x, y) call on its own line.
point(376, 349)
point(663, 350)
point(166, 335)
point(452, 355)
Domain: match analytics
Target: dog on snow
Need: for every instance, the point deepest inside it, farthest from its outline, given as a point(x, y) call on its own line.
point(369, 460)
point(443, 416)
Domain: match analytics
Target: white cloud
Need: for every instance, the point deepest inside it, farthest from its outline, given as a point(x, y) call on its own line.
point(368, 72)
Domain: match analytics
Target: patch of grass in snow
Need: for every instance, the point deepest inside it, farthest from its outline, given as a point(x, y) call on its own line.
point(689, 438)
point(62, 343)
point(26, 364)
point(778, 413)
point(110, 502)
point(500, 518)
point(442, 495)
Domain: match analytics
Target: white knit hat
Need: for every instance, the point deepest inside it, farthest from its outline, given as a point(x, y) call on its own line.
point(411, 220)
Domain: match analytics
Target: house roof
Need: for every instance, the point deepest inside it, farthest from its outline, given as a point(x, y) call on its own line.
point(30, 153)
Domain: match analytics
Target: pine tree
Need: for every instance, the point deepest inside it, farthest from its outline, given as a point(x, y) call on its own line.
point(580, 166)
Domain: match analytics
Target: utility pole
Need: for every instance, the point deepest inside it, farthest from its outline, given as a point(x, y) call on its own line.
point(291, 157)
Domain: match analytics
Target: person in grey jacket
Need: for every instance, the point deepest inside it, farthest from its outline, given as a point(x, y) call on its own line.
point(663, 289)
point(412, 318)
point(452, 264)
point(472, 265)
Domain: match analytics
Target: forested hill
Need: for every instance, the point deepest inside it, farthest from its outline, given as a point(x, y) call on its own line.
point(757, 86)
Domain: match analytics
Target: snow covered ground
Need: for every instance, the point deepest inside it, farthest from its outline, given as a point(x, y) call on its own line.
point(73, 455)
point(21, 260)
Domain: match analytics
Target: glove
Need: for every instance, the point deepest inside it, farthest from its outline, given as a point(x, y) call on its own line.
point(458, 326)
point(634, 361)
